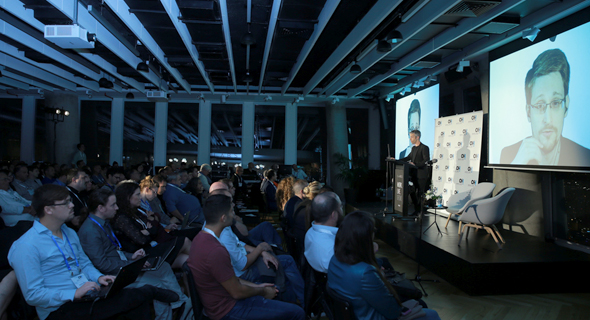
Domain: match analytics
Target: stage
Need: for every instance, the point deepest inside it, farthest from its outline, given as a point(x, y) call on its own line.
point(478, 267)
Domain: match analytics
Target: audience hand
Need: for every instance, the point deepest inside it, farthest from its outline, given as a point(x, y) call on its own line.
point(138, 254)
point(90, 285)
point(270, 292)
point(150, 215)
point(269, 258)
point(264, 246)
point(175, 220)
point(171, 227)
point(106, 280)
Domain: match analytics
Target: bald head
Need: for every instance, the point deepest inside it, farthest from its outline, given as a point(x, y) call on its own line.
point(324, 205)
point(217, 186)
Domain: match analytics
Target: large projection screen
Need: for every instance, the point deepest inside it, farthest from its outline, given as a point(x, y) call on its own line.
point(549, 130)
point(424, 111)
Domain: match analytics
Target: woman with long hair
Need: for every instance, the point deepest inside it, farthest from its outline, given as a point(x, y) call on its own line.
point(355, 276)
point(195, 187)
point(284, 192)
point(137, 228)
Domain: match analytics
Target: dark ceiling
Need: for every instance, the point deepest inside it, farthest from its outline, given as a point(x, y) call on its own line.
point(301, 47)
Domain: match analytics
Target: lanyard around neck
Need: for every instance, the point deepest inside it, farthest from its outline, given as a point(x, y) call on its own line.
point(209, 231)
point(77, 197)
point(63, 254)
point(146, 205)
point(118, 244)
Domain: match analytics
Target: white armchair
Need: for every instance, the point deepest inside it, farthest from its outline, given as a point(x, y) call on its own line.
point(485, 213)
point(459, 202)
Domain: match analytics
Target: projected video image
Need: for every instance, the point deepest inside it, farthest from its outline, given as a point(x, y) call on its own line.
point(415, 112)
point(539, 103)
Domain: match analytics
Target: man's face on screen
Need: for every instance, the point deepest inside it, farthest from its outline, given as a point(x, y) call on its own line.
point(414, 121)
point(547, 122)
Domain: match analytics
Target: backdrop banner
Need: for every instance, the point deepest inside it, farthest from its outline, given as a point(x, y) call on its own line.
point(457, 148)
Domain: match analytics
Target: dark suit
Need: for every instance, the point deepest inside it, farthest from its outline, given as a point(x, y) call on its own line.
point(419, 156)
point(571, 154)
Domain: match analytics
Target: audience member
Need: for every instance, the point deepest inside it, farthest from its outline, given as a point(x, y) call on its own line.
point(195, 187)
point(61, 177)
point(48, 175)
point(269, 189)
point(105, 252)
point(53, 271)
point(326, 210)
point(298, 173)
point(79, 155)
point(251, 170)
point(301, 217)
point(353, 273)
point(297, 197)
point(239, 183)
point(148, 189)
point(205, 178)
point(181, 204)
point(114, 176)
point(184, 177)
point(21, 174)
point(137, 229)
point(158, 202)
point(14, 207)
point(285, 192)
point(33, 180)
point(77, 180)
point(97, 176)
point(133, 174)
point(223, 294)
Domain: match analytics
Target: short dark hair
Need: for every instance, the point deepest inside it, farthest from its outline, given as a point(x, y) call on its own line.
point(553, 60)
point(124, 191)
point(269, 174)
point(18, 166)
point(79, 145)
point(159, 178)
point(216, 206)
point(416, 132)
point(73, 173)
point(323, 205)
point(113, 171)
point(414, 108)
point(98, 197)
point(46, 195)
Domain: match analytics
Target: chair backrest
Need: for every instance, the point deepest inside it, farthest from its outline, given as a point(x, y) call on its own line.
point(195, 299)
point(488, 211)
point(341, 308)
point(482, 190)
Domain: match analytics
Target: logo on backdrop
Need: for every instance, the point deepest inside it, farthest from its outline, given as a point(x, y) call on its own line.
point(473, 118)
point(461, 120)
point(449, 179)
point(459, 144)
point(439, 178)
point(440, 156)
point(472, 182)
point(445, 191)
point(472, 143)
point(460, 181)
point(442, 133)
point(438, 144)
point(451, 156)
point(464, 132)
point(448, 144)
point(455, 191)
point(462, 156)
point(477, 130)
point(452, 133)
point(468, 170)
point(436, 167)
point(457, 168)
point(447, 167)
point(435, 190)
point(475, 156)
point(449, 121)
point(438, 122)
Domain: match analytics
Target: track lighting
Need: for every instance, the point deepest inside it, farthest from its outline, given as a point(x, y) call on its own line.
point(531, 33)
point(462, 64)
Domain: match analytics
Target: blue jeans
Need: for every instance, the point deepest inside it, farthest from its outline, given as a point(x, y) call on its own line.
point(264, 232)
point(259, 308)
point(295, 285)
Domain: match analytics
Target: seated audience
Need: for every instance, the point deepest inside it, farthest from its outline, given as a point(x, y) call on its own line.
point(195, 187)
point(223, 294)
point(204, 175)
point(97, 177)
point(114, 176)
point(105, 252)
point(51, 282)
point(239, 183)
point(178, 202)
point(158, 203)
point(301, 218)
point(21, 174)
point(48, 174)
point(326, 210)
point(77, 180)
point(298, 196)
point(284, 192)
point(133, 174)
point(184, 177)
point(33, 180)
point(269, 189)
point(137, 229)
point(353, 273)
point(148, 189)
point(14, 207)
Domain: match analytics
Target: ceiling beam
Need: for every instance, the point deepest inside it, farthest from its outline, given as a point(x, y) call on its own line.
point(88, 22)
point(370, 21)
point(419, 21)
point(174, 13)
point(121, 9)
point(32, 71)
point(26, 80)
point(550, 14)
point(274, 14)
point(310, 139)
point(231, 129)
point(18, 10)
point(227, 36)
point(14, 83)
point(329, 8)
point(449, 35)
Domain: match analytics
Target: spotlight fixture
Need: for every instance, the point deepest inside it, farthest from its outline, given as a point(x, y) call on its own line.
point(89, 94)
point(248, 39)
point(384, 46)
point(462, 64)
point(394, 36)
point(58, 111)
point(248, 78)
point(389, 97)
point(142, 66)
point(355, 68)
point(130, 96)
point(531, 33)
point(335, 100)
point(201, 97)
point(41, 92)
point(105, 83)
point(66, 113)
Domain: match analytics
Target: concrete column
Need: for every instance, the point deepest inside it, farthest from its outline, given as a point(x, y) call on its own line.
point(117, 123)
point(204, 155)
point(27, 130)
point(68, 131)
point(337, 135)
point(248, 112)
point(374, 139)
point(161, 134)
point(290, 133)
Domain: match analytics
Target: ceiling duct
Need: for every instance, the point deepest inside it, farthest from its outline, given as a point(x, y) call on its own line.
point(430, 61)
point(500, 25)
point(472, 8)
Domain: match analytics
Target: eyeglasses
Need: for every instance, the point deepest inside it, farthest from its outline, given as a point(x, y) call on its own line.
point(61, 204)
point(541, 107)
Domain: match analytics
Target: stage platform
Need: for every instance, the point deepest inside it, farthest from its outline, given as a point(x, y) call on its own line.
point(478, 267)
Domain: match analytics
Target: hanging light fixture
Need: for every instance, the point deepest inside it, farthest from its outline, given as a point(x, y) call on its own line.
point(355, 68)
point(394, 36)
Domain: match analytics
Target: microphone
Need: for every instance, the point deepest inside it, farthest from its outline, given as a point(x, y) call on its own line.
point(431, 161)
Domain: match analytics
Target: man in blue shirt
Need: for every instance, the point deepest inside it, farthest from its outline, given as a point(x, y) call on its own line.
point(52, 269)
point(326, 211)
point(178, 202)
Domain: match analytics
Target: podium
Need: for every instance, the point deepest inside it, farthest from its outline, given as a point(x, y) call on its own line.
point(398, 176)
